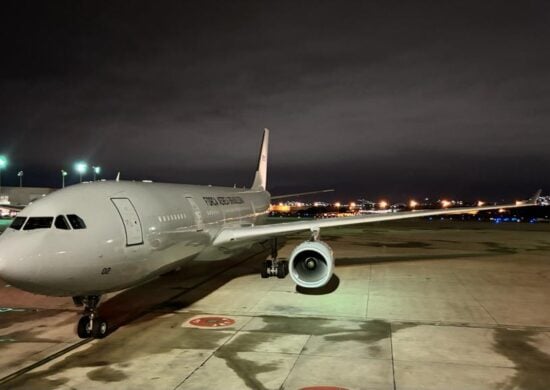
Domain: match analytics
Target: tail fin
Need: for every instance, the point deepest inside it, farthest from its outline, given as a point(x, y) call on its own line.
point(260, 180)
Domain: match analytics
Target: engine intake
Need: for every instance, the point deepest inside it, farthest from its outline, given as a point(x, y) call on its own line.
point(311, 264)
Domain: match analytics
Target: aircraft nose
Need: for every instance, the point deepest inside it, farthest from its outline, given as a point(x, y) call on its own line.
point(2, 264)
point(5, 251)
point(12, 254)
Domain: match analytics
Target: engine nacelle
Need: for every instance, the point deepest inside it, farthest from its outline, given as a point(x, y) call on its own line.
point(311, 264)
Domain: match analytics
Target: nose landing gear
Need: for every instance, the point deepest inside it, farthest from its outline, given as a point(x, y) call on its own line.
point(90, 325)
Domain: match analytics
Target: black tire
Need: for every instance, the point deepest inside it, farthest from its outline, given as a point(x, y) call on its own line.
point(82, 329)
point(282, 269)
point(285, 267)
point(99, 328)
point(266, 265)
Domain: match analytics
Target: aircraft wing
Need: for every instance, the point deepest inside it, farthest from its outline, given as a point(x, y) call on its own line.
point(281, 229)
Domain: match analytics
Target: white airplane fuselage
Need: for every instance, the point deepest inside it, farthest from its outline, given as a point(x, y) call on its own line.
point(133, 232)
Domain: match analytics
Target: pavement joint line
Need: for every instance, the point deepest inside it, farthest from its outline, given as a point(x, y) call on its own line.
point(475, 298)
point(205, 360)
point(457, 363)
point(296, 361)
point(392, 359)
point(513, 327)
point(462, 324)
point(369, 283)
point(43, 361)
point(64, 351)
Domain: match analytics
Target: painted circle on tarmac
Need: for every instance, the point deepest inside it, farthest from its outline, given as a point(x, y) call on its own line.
point(212, 322)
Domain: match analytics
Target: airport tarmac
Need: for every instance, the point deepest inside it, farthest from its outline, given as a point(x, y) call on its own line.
point(414, 305)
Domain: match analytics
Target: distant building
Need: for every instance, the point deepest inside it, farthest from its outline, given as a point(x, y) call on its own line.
point(22, 195)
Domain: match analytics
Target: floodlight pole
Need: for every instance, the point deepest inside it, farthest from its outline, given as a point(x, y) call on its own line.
point(63, 174)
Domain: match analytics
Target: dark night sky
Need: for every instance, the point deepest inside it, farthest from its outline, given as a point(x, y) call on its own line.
point(373, 98)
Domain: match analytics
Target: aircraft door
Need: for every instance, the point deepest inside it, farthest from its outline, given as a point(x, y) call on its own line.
point(130, 220)
point(197, 215)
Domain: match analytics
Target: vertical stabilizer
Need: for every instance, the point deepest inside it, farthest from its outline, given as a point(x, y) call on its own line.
point(260, 180)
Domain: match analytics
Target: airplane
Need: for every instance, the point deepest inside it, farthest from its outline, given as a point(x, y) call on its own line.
point(90, 239)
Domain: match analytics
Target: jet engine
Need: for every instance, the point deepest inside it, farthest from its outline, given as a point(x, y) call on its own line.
point(311, 264)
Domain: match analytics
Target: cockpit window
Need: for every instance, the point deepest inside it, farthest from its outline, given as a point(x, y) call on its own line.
point(76, 221)
point(61, 223)
point(38, 223)
point(18, 222)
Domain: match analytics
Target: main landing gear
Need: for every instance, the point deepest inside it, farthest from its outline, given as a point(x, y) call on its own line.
point(274, 267)
point(90, 325)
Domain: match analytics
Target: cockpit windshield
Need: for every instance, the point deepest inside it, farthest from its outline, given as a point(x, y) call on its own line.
point(18, 222)
point(38, 223)
point(76, 221)
point(61, 223)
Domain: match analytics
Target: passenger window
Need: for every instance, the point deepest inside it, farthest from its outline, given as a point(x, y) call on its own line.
point(18, 222)
point(76, 221)
point(38, 223)
point(61, 223)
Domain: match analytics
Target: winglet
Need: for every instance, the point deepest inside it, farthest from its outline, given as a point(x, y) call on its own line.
point(534, 199)
point(260, 180)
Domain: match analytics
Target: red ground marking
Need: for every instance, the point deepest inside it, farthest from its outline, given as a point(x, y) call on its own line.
point(212, 322)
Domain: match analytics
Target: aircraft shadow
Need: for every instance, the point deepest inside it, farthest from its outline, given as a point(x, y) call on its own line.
point(177, 290)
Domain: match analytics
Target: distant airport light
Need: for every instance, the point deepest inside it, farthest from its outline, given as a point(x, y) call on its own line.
point(383, 204)
point(337, 204)
point(97, 171)
point(445, 203)
point(501, 210)
point(519, 202)
point(413, 204)
point(63, 174)
point(352, 205)
point(480, 203)
point(81, 168)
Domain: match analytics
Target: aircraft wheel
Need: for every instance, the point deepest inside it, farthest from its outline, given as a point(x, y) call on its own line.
point(99, 328)
point(83, 327)
point(282, 269)
point(266, 266)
